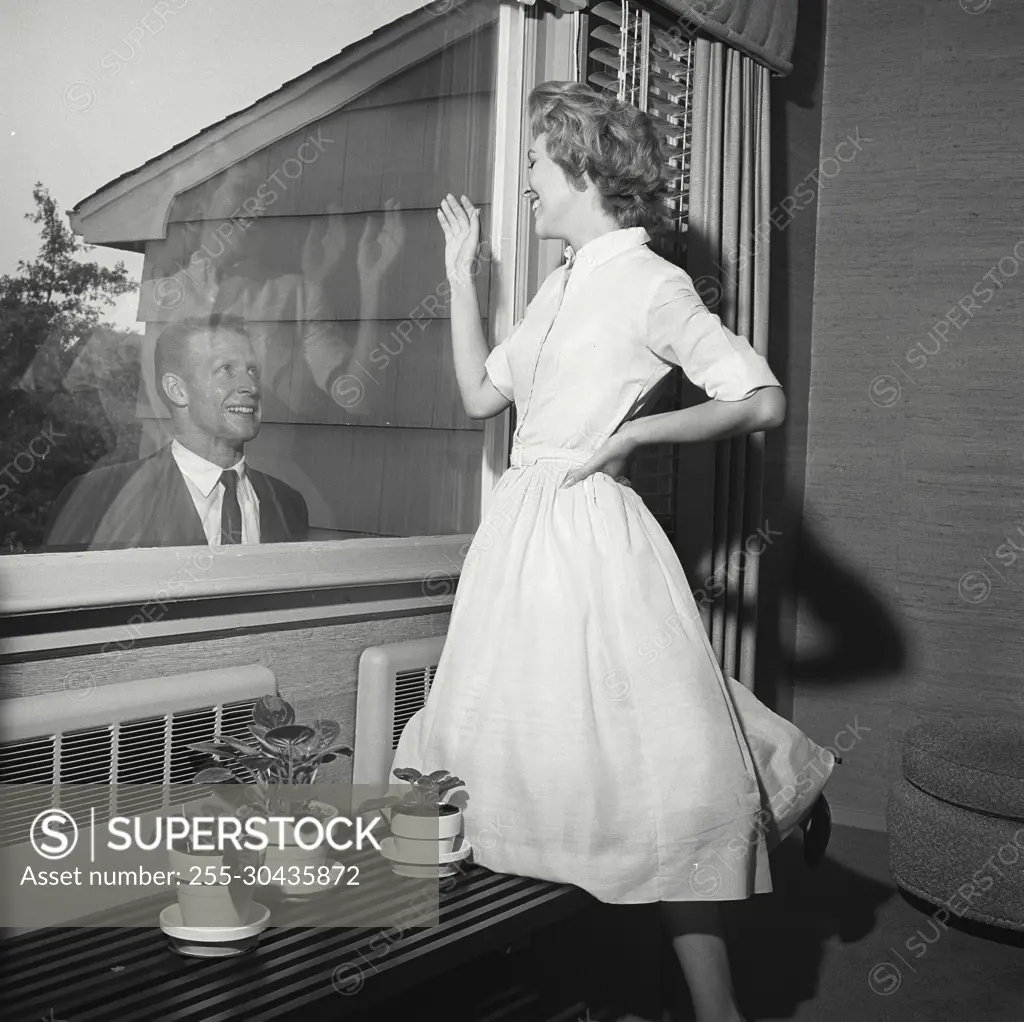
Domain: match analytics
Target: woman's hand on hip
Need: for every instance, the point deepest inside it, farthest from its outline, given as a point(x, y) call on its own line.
point(460, 221)
point(611, 458)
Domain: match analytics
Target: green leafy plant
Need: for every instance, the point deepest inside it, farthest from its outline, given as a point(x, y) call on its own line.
point(284, 753)
point(427, 793)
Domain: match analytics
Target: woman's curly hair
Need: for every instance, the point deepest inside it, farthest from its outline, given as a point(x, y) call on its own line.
point(610, 142)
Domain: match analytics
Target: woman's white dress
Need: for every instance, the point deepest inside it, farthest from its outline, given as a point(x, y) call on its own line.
point(592, 754)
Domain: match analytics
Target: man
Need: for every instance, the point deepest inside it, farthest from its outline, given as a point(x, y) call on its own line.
point(198, 489)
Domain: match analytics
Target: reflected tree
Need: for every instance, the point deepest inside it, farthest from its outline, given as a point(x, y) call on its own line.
point(69, 381)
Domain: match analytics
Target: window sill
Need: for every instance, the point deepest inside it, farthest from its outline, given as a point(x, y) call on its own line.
point(48, 582)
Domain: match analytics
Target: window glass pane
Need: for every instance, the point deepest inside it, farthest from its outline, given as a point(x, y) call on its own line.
point(290, 306)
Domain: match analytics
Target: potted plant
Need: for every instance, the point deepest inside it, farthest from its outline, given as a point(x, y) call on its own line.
point(212, 888)
point(424, 826)
point(284, 754)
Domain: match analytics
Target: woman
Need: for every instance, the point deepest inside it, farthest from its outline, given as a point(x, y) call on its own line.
point(593, 755)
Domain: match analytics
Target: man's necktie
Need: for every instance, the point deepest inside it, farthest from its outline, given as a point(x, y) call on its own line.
point(230, 511)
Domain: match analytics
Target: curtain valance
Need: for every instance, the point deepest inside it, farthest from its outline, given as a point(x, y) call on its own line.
point(763, 29)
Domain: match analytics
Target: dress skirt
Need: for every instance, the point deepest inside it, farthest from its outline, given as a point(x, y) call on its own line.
point(580, 700)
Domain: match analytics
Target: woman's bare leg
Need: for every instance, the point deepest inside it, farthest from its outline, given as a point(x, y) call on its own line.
point(695, 929)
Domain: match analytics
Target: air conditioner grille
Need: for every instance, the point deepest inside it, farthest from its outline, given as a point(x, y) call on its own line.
point(236, 718)
point(196, 726)
point(133, 751)
point(394, 682)
point(86, 757)
point(20, 810)
point(411, 691)
point(28, 762)
point(141, 751)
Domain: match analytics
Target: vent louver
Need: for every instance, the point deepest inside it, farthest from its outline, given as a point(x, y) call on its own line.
point(128, 749)
point(411, 691)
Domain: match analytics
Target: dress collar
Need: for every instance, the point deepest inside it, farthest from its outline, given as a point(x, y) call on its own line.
point(603, 247)
point(204, 474)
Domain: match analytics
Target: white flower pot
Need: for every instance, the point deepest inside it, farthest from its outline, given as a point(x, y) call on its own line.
point(292, 869)
point(423, 839)
point(205, 896)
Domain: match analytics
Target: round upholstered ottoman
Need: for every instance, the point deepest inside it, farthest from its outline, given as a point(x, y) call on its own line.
point(955, 818)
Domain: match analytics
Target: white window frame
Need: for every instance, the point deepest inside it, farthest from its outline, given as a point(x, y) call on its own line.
point(52, 582)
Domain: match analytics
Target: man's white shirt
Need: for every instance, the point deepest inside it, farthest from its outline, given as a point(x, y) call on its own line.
point(202, 478)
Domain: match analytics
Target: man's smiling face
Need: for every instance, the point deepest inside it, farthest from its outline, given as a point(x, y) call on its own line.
point(223, 386)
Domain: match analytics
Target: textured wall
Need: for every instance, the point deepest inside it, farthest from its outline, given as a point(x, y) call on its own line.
point(910, 594)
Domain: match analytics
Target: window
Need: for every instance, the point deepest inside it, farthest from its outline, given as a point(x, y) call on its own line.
point(292, 263)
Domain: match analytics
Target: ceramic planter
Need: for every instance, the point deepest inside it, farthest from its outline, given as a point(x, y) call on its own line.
point(292, 869)
point(205, 896)
point(425, 837)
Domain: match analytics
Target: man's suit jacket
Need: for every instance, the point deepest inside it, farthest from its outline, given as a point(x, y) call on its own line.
point(146, 503)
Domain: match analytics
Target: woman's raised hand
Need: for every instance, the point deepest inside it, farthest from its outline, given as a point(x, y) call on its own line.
point(460, 222)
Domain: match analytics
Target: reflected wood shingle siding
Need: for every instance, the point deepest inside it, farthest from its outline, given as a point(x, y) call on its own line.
point(262, 274)
point(289, 238)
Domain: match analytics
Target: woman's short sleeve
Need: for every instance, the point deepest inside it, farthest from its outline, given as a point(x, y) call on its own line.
point(498, 370)
point(682, 330)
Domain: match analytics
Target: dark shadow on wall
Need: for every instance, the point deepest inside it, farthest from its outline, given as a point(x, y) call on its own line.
point(846, 629)
point(862, 640)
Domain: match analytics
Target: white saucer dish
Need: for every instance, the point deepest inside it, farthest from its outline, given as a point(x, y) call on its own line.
point(213, 941)
point(405, 869)
point(295, 895)
point(425, 871)
point(461, 851)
